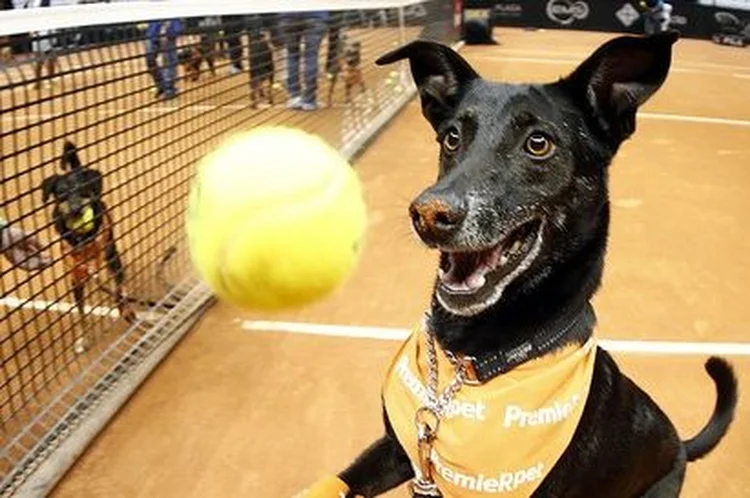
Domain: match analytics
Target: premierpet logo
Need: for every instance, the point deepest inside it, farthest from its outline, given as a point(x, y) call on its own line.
point(503, 482)
point(547, 415)
point(472, 411)
point(566, 12)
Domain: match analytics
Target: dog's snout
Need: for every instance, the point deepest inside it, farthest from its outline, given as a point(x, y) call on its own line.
point(437, 218)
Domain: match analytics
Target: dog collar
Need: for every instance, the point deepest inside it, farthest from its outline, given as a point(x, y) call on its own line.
point(483, 368)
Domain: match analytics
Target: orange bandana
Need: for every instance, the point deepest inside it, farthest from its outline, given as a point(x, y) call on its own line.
point(499, 438)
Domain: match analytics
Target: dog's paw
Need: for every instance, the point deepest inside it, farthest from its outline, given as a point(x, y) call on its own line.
point(328, 487)
point(129, 316)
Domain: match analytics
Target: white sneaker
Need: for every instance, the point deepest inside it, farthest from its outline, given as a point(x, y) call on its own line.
point(233, 70)
point(294, 103)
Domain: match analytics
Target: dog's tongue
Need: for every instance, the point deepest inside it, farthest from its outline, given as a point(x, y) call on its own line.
point(467, 270)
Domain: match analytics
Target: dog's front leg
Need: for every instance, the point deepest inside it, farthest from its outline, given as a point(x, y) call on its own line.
point(331, 85)
point(116, 269)
point(78, 284)
point(382, 466)
point(347, 91)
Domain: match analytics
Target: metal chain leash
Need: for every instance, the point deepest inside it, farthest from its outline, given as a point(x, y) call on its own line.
point(440, 403)
point(427, 419)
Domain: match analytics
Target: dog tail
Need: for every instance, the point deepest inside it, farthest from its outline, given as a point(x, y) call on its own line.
point(70, 157)
point(726, 401)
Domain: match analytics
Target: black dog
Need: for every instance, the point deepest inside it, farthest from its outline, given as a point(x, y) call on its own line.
point(520, 215)
point(261, 68)
point(83, 222)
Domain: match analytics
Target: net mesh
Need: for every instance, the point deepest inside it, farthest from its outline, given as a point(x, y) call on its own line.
point(139, 103)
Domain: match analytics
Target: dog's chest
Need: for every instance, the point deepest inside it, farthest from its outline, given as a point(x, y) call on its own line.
point(500, 438)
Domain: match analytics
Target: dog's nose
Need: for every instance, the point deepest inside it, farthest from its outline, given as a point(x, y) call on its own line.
point(437, 218)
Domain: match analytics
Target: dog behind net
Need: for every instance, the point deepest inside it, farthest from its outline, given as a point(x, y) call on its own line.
point(101, 125)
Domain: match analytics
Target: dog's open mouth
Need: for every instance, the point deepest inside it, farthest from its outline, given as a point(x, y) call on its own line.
point(475, 279)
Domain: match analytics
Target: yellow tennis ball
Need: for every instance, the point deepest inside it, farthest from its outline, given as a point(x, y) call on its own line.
point(276, 219)
point(84, 222)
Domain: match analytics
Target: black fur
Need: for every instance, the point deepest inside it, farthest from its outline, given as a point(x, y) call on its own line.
point(489, 187)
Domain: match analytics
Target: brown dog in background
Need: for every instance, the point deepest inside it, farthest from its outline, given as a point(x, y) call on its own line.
point(346, 59)
point(192, 58)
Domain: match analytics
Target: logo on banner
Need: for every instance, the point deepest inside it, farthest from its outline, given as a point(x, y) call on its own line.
point(566, 12)
point(415, 11)
point(508, 10)
point(678, 21)
point(627, 15)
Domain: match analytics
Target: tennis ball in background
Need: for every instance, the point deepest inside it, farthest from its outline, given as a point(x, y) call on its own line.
point(84, 222)
point(276, 219)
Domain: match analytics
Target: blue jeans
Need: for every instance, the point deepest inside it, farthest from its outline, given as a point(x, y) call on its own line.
point(169, 72)
point(165, 78)
point(310, 32)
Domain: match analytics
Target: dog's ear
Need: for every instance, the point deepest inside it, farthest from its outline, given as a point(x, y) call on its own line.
point(48, 187)
point(441, 75)
point(619, 77)
point(70, 157)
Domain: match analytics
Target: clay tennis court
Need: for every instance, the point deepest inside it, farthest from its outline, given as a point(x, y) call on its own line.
point(241, 409)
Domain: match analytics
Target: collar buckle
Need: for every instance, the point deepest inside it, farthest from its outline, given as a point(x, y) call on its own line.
point(469, 364)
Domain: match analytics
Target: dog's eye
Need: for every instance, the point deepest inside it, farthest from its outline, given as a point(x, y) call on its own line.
point(452, 140)
point(539, 146)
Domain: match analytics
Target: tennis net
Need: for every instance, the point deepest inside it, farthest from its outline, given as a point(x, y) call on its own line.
point(142, 90)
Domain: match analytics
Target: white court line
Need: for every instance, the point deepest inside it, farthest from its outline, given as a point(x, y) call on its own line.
point(202, 108)
point(210, 107)
point(62, 307)
point(693, 119)
point(586, 51)
point(359, 332)
point(397, 334)
point(567, 62)
point(156, 110)
point(145, 110)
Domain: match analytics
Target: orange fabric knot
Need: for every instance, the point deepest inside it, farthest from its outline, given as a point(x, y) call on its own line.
point(328, 487)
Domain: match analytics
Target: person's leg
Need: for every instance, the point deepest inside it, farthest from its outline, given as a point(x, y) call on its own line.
point(290, 30)
point(51, 64)
point(152, 52)
point(38, 74)
point(6, 52)
point(649, 27)
point(208, 46)
point(312, 37)
point(41, 49)
point(169, 71)
point(52, 61)
point(278, 43)
point(169, 74)
point(233, 32)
